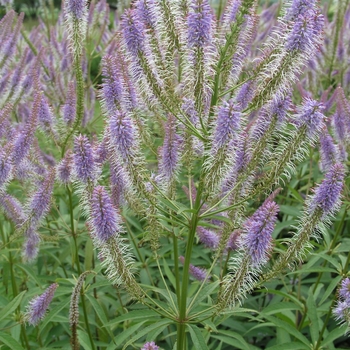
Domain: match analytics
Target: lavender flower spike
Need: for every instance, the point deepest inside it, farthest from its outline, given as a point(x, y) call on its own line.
point(209, 238)
point(227, 124)
point(196, 272)
point(122, 132)
point(38, 306)
point(40, 203)
point(83, 159)
point(258, 228)
point(104, 219)
point(328, 151)
point(133, 32)
point(150, 346)
point(344, 291)
point(69, 108)
point(199, 23)
point(5, 166)
point(327, 194)
point(65, 167)
point(31, 245)
point(76, 8)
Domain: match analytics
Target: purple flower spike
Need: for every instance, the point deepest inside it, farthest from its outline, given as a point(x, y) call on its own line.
point(83, 159)
point(122, 134)
point(133, 32)
point(145, 14)
point(104, 218)
point(227, 124)
point(339, 125)
point(342, 311)
point(31, 245)
point(233, 241)
point(76, 8)
point(196, 272)
point(150, 346)
point(327, 194)
point(112, 88)
point(69, 108)
point(299, 7)
point(309, 114)
point(199, 23)
point(45, 114)
point(5, 166)
point(328, 151)
point(209, 238)
point(37, 307)
point(12, 208)
point(170, 150)
point(258, 228)
point(65, 167)
point(344, 291)
point(40, 202)
point(281, 107)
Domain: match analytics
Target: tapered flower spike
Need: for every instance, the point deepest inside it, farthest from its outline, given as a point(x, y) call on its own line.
point(259, 227)
point(65, 168)
point(41, 200)
point(84, 165)
point(328, 151)
point(5, 166)
point(69, 108)
point(199, 23)
point(133, 32)
point(299, 7)
point(344, 291)
point(170, 151)
point(12, 208)
point(37, 307)
point(45, 114)
point(30, 248)
point(227, 124)
point(104, 218)
point(209, 238)
point(122, 133)
point(197, 273)
point(327, 194)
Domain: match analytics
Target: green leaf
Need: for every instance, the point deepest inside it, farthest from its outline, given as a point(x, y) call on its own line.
point(12, 306)
point(197, 337)
point(332, 285)
point(169, 274)
point(279, 307)
point(120, 338)
point(206, 291)
point(287, 327)
point(9, 341)
point(161, 324)
point(284, 294)
point(312, 314)
point(234, 339)
point(288, 346)
point(132, 316)
point(336, 333)
point(29, 271)
point(84, 340)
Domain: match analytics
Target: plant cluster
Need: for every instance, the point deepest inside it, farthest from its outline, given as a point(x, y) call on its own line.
point(164, 180)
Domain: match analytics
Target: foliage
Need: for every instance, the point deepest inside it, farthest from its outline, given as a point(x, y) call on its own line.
point(173, 176)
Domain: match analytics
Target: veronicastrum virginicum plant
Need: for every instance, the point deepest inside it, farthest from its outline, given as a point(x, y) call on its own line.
point(197, 143)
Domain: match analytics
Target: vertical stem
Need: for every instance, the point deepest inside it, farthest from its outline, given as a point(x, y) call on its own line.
point(181, 337)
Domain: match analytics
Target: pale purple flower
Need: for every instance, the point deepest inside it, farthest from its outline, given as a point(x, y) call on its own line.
point(199, 23)
point(84, 164)
point(339, 125)
point(143, 9)
point(5, 166)
point(344, 291)
point(30, 248)
point(310, 115)
point(37, 307)
point(328, 151)
point(209, 238)
point(41, 200)
point(228, 122)
point(233, 240)
point(258, 228)
point(342, 311)
point(12, 208)
point(65, 168)
point(122, 132)
point(170, 151)
point(245, 94)
point(327, 194)
point(112, 88)
point(280, 108)
point(104, 219)
point(117, 184)
point(150, 346)
point(196, 272)
point(76, 8)
point(45, 114)
point(231, 11)
point(69, 107)
point(133, 32)
point(299, 7)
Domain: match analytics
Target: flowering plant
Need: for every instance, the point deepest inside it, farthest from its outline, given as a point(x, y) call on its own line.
point(203, 135)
